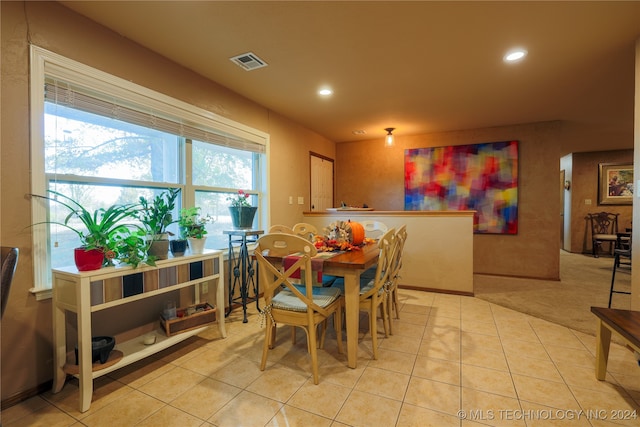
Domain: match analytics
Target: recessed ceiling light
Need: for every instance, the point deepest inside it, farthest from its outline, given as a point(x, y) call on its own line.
point(325, 92)
point(359, 132)
point(515, 55)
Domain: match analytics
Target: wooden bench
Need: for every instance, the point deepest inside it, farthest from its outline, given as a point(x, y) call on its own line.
point(626, 323)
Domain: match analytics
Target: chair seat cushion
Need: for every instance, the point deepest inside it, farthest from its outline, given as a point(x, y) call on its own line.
point(328, 280)
point(365, 285)
point(605, 237)
point(369, 274)
point(287, 300)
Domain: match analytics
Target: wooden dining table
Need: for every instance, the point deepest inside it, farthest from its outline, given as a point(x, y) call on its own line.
point(349, 265)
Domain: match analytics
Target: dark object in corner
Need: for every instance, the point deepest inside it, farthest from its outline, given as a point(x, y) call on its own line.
point(100, 349)
point(9, 258)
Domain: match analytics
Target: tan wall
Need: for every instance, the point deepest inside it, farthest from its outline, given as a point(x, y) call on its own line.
point(584, 187)
point(26, 327)
point(290, 165)
point(364, 173)
point(533, 252)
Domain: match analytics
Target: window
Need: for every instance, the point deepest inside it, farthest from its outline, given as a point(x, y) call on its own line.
point(102, 140)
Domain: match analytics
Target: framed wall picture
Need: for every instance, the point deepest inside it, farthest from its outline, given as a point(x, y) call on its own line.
point(615, 184)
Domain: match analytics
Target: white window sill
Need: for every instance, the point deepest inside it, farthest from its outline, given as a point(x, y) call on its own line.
point(41, 294)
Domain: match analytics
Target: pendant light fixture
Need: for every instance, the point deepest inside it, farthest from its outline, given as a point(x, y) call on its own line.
point(388, 141)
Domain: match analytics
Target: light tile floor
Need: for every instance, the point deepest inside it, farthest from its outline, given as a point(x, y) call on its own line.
point(452, 361)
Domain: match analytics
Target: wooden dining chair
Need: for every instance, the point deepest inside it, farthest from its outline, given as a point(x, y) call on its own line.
point(305, 230)
point(373, 294)
point(279, 228)
point(374, 229)
point(604, 229)
point(286, 303)
point(394, 277)
point(309, 232)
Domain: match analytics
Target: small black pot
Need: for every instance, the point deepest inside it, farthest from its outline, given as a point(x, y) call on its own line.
point(178, 247)
point(100, 349)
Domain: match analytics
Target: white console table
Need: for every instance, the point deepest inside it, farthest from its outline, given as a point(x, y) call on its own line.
point(86, 292)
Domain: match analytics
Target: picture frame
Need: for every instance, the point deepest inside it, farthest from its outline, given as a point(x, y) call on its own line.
point(615, 184)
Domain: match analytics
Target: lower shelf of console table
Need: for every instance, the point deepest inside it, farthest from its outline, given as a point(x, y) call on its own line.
point(130, 352)
point(74, 292)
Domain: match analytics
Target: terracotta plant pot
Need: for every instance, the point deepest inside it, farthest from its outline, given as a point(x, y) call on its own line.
point(88, 260)
point(159, 249)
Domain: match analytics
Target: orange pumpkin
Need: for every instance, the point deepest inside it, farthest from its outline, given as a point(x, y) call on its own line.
point(357, 233)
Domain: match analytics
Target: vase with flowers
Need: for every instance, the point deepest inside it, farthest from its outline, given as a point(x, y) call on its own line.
point(193, 228)
point(242, 213)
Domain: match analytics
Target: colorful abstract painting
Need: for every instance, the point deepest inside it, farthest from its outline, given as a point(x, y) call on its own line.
point(480, 177)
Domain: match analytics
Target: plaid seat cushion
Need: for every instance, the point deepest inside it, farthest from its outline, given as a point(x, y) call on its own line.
point(287, 300)
point(365, 285)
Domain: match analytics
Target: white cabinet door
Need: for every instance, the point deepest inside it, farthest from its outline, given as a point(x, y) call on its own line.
point(321, 183)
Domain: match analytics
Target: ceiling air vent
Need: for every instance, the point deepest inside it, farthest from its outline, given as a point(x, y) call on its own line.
point(249, 61)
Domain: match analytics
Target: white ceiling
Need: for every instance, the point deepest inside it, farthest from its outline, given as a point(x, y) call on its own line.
point(417, 66)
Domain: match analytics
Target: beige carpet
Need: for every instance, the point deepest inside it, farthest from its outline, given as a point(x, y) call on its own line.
point(585, 282)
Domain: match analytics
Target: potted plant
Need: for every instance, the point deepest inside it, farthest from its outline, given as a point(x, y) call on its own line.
point(156, 216)
point(131, 246)
point(242, 212)
point(192, 227)
point(101, 225)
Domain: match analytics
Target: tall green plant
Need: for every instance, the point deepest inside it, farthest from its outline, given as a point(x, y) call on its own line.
point(157, 215)
point(99, 224)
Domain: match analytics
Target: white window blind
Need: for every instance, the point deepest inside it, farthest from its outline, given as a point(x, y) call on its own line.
point(64, 93)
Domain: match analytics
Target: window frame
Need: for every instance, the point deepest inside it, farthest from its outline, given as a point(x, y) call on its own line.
point(48, 64)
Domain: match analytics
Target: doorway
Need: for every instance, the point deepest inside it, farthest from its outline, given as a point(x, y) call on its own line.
point(321, 182)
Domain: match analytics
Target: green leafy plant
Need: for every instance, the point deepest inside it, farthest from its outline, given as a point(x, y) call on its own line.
point(156, 215)
point(104, 229)
point(98, 224)
point(131, 247)
point(192, 224)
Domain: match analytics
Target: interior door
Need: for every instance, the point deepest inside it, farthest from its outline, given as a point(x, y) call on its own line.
point(321, 182)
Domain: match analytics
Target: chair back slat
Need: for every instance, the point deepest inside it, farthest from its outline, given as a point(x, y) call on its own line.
point(374, 229)
point(386, 245)
point(305, 230)
point(279, 228)
point(396, 263)
point(604, 223)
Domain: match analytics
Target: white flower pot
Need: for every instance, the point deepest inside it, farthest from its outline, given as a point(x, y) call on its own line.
point(196, 246)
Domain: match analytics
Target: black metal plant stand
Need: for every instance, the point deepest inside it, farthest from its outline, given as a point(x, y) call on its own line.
point(241, 271)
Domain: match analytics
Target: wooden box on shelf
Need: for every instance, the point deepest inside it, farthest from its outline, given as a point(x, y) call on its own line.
point(189, 318)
